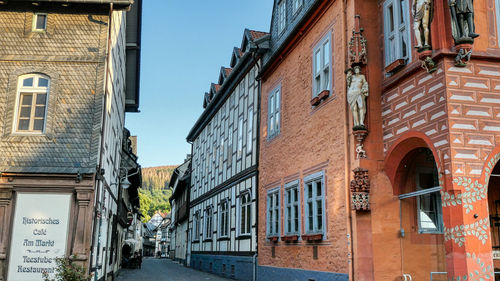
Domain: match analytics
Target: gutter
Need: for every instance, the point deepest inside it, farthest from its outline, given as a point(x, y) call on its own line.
point(98, 177)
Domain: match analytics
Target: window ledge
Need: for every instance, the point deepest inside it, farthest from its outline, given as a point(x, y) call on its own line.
point(208, 240)
point(243, 236)
point(225, 238)
point(397, 64)
point(273, 238)
point(323, 95)
point(290, 238)
point(312, 237)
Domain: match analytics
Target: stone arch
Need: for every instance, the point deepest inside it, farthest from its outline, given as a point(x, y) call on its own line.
point(400, 150)
point(489, 163)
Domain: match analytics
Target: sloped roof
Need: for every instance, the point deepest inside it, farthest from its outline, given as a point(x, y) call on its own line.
point(257, 34)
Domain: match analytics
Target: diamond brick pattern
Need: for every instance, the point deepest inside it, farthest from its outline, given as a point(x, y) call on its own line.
point(474, 114)
point(417, 104)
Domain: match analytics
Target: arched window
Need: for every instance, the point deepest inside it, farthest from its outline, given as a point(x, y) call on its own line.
point(32, 99)
point(245, 214)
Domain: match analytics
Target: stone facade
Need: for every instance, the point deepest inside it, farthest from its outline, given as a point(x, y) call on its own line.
point(79, 150)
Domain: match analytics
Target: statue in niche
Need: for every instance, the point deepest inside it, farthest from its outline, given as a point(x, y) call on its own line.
point(357, 91)
point(422, 14)
point(462, 20)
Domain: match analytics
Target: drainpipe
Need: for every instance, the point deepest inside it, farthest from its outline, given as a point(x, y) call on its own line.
point(347, 161)
point(99, 195)
point(254, 260)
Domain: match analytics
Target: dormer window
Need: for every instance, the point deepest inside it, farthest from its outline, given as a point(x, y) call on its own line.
point(281, 16)
point(39, 22)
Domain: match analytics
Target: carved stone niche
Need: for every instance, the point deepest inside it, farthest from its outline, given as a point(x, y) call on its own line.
point(360, 190)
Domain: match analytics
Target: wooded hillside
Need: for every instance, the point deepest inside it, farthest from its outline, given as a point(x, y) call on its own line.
point(154, 194)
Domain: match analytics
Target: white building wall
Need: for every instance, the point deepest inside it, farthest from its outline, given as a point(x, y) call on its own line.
point(114, 106)
point(221, 152)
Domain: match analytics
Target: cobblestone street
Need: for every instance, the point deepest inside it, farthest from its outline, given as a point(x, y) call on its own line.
point(165, 270)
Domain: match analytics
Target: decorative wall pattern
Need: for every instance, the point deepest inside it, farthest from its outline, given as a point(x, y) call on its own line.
point(478, 229)
point(474, 191)
point(483, 272)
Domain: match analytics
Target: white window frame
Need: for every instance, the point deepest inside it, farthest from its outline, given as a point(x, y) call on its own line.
point(196, 226)
point(401, 32)
point(250, 130)
point(273, 208)
point(208, 223)
point(314, 178)
point(289, 187)
point(224, 227)
point(296, 5)
point(281, 16)
point(274, 112)
point(34, 23)
point(243, 208)
point(240, 136)
point(34, 90)
point(323, 73)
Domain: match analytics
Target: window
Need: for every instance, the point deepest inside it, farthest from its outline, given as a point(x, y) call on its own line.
point(292, 208)
point(273, 212)
point(429, 210)
point(250, 130)
point(322, 66)
point(281, 16)
point(208, 223)
point(245, 213)
point(33, 91)
point(196, 226)
point(39, 22)
point(240, 136)
point(273, 115)
point(314, 203)
point(224, 218)
point(297, 4)
point(396, 31)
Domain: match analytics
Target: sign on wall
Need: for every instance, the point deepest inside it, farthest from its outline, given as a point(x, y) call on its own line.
point(40, 232)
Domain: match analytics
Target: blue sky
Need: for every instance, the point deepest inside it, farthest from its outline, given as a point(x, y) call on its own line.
point(184, 44)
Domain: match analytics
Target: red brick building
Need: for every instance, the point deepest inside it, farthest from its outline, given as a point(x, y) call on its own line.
point(424, 157)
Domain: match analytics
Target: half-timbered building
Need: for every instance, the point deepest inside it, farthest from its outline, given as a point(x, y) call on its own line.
point(222, 217)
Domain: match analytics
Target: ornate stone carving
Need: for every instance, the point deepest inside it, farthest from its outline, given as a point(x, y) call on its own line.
point(357, 86)
point(427, 62)
point(464, 54)
point(360, 190)
point(422, 14)
point(462, 21)
point(357, 44)
point(357, 91)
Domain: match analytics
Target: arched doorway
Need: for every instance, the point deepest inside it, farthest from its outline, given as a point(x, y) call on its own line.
point(494, 212)
point(421, 216)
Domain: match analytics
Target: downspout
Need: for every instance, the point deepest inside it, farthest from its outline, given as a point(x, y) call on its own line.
point(257, 78)
point(99, 177)
point(347, 160)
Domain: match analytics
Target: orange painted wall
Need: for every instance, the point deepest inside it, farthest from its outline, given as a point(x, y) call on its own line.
point(310, 139)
